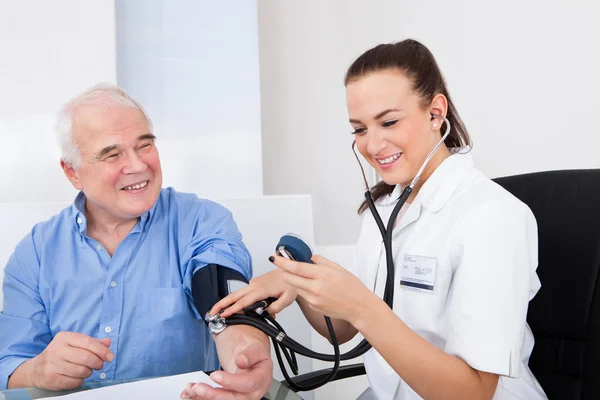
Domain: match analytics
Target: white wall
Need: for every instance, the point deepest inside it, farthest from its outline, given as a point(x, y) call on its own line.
point(50, 51)
point(305, 48)
point(523, 76)
point(194, 67)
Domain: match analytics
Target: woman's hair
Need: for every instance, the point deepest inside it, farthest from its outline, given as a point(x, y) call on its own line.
point(417, 63)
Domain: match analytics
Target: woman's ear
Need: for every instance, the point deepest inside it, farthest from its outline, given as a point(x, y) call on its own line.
point(438, 107)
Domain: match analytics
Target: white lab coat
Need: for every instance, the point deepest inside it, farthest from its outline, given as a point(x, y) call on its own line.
point(476, 245)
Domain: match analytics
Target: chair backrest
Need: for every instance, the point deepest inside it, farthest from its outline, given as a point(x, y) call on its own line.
point(565, 314)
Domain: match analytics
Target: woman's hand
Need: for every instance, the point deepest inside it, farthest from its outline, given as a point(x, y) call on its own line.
point(327, 287)
point(268, 285)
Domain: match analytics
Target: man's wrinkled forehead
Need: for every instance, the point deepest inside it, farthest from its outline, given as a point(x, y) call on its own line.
point(98, 120)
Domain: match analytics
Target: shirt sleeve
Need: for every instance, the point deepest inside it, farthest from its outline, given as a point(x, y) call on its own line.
point(215, 240)
point(494, 257)
point(24, 330)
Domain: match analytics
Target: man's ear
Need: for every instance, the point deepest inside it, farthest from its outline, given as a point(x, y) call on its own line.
point(71, 174)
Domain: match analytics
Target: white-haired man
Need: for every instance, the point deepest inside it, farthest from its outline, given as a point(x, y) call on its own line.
point(115, 286)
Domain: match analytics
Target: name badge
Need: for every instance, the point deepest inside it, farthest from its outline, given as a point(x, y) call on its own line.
point(418, 273)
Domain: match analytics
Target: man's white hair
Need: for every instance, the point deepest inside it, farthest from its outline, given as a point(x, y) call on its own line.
point(104, 94)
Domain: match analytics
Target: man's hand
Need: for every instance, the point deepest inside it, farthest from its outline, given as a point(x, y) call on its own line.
point(250, 381)
point(65, 363)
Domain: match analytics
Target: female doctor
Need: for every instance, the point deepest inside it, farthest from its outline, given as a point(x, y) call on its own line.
point(465, 250)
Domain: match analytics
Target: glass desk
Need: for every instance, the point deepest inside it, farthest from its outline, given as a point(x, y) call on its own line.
point(277, 391)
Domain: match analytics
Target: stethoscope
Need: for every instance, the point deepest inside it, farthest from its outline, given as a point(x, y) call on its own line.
point(294, 248)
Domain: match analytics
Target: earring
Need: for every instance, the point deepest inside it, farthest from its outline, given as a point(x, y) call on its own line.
point(435, 125)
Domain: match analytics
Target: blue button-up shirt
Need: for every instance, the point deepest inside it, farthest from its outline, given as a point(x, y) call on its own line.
point(59, 279)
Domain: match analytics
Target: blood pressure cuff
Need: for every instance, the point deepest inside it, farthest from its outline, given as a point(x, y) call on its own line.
point(213, 282)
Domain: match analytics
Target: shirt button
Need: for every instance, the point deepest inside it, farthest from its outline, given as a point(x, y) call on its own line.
point(113, 284)
point(103, 376)
point(107, 329)
point(79, 220)
point(98, 247)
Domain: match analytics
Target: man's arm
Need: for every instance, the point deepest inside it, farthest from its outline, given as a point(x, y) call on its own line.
point(234, 345)
point(64, 364)
point(25, 332)
point(244, 352)
point(247, 367)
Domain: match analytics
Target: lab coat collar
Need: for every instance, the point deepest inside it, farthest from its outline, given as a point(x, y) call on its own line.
point(437, 190)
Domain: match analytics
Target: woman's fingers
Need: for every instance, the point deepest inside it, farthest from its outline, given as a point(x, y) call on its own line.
point(269, 285)
point(317, 259)
point(304, 270)
point(231, 299)
point(277, 306)
point(246, 301)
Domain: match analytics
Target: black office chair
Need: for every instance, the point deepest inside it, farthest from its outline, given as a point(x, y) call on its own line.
point(565, 314)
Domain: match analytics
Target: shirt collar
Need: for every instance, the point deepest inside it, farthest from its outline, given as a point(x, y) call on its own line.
point(78, 213)
point(440, 186)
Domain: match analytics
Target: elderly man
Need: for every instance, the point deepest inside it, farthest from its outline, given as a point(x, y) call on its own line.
point(115, 286)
